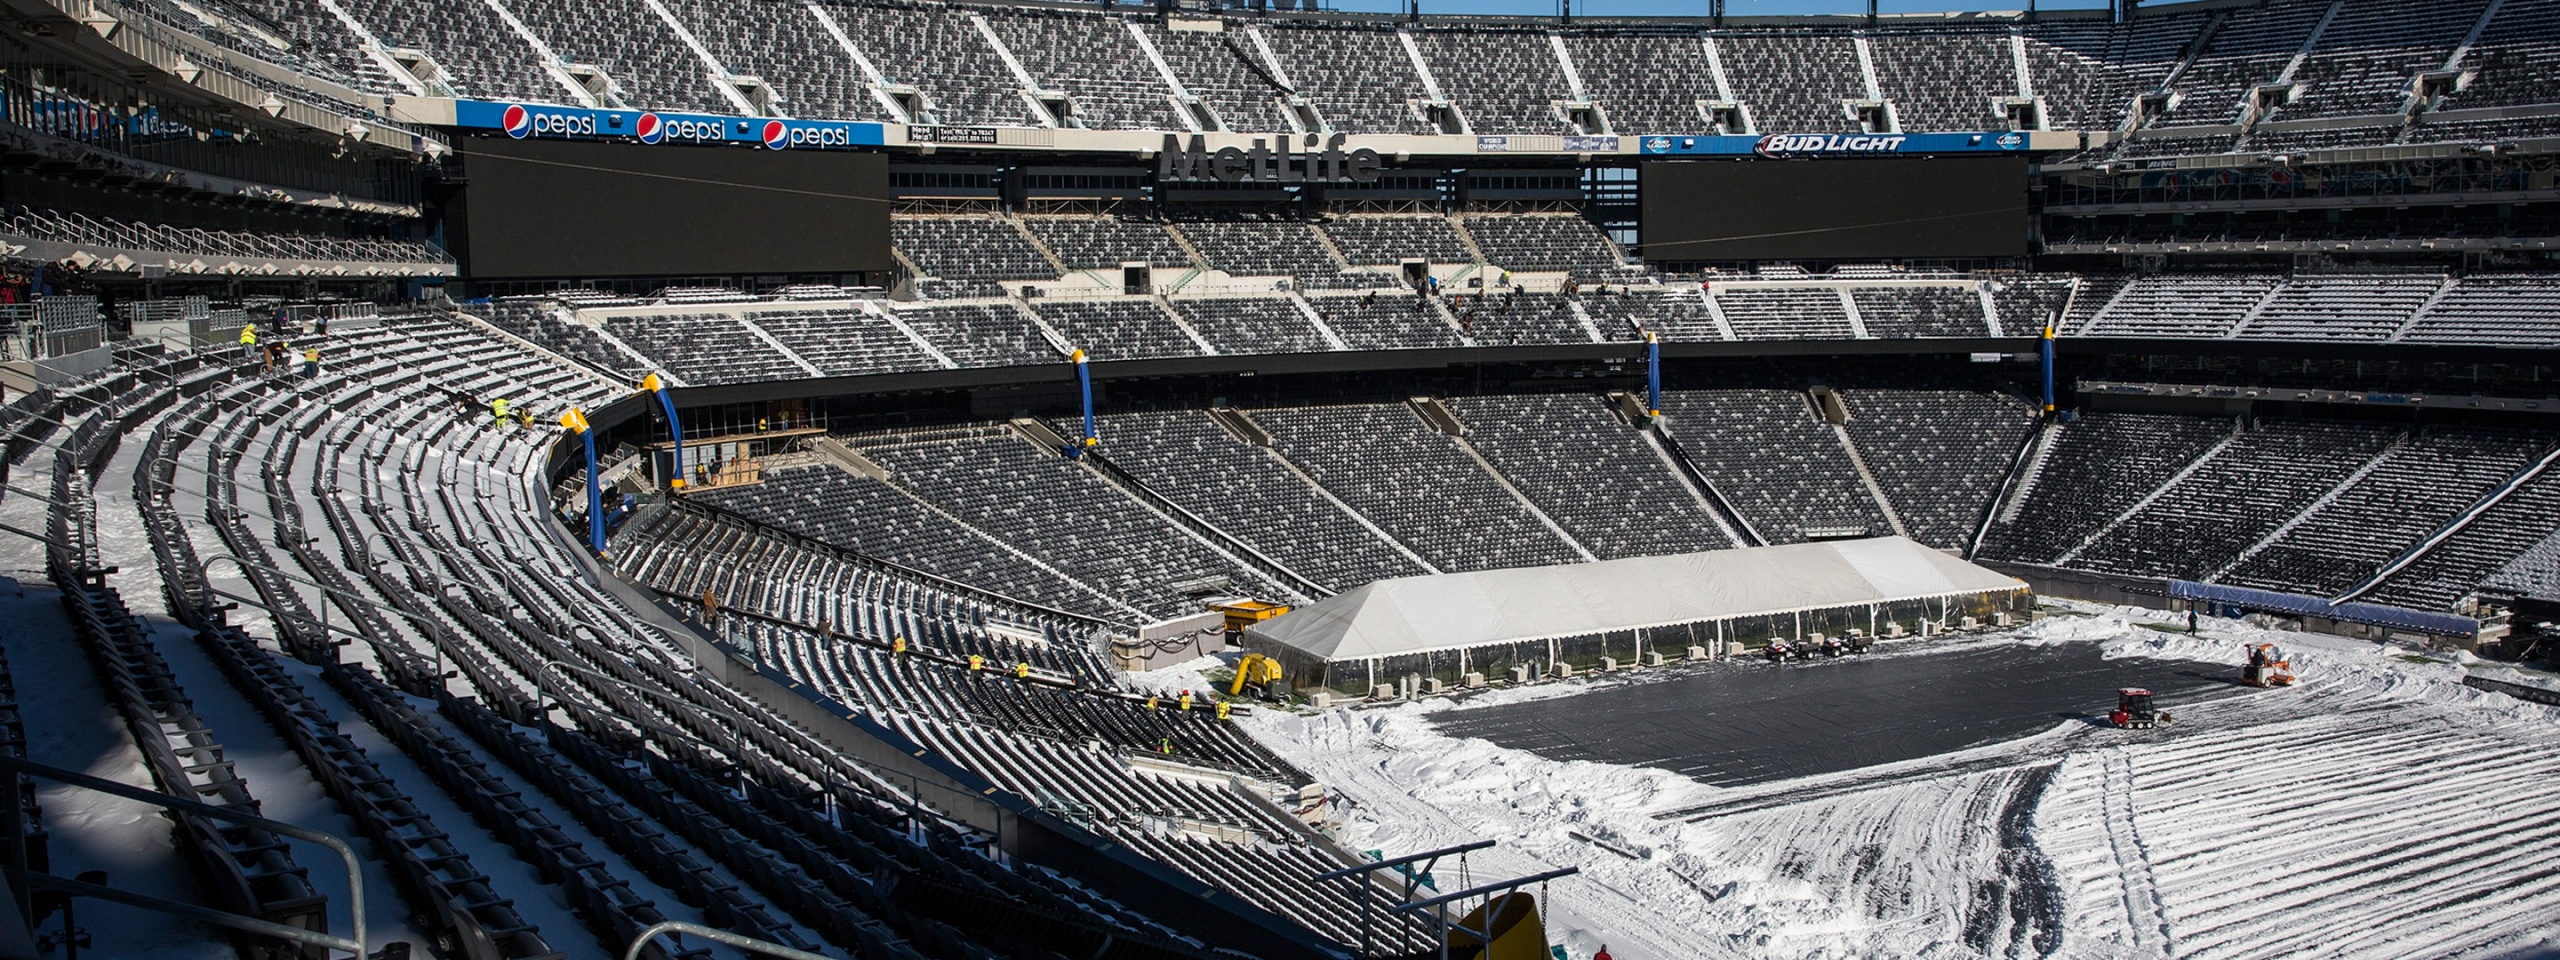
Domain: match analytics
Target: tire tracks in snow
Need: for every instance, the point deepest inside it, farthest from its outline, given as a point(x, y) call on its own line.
point(2146, 921)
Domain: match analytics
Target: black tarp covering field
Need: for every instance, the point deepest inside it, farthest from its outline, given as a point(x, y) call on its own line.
point(1749, 721)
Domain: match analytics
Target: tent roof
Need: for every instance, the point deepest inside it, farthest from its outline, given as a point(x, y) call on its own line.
point(1458, 610)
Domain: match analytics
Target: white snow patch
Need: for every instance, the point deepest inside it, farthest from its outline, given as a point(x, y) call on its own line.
point(2213, 837)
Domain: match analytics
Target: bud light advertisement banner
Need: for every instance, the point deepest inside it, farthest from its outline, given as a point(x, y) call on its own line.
point(543, 121)
point(1784, 145)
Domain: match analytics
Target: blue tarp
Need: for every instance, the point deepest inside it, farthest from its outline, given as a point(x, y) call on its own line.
point(2271, 601)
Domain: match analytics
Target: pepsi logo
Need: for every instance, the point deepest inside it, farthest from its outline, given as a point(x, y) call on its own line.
point(649, 128)
point(516, 121)
point(777, 135)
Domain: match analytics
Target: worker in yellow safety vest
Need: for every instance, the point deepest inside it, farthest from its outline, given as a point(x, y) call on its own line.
point(1222, 709)
point(977, 663)
point(898, 647)
point(249, 335)
point(1186, 700)
point(498, 412)
point(1022, 671)
point(1151, 701)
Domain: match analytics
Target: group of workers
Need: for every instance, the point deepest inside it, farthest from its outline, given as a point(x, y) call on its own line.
point(1022, 671)
point(277, 355)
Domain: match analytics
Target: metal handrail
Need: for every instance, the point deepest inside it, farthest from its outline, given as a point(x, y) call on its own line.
point(740, 941)
point(355, 872)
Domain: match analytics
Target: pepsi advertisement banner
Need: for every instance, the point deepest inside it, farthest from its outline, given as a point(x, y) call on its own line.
point(1783, 145)
point(546, 122)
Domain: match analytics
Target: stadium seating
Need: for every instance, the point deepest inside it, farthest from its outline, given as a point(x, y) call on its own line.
point(112, 233)
point(870, 518)
point(1677, 314)
point(2411, 491)
point(969, 248)
point(1786, 470)
point(1544, 242)
point(1131, 328)
point(2180, 306)
point(1236, 325)
point(982, 335)
point(1252, 492)
point(843, 342)
point(1283, 248)
point(1646, 81)
point(1501, 81)
point(2092, 470)
point(1420, 486)
point(2027, 304)
point(1920, 311)
point(1390, 321)
point(743, 709)
point(1511, 317)
point(1080, 524)
point(2513, 60)
point(479, 54)
point(2242, 51)
point(1356, 76)
point(788, 48)
point(1214, 67)
point(636, 48)
point(706, 348)
point(1783, 313)
point(1794, 82)
point(1597, 477)
point(2341, 307)
point(1092, 59)
point(1084, 243)
point(2199, 524)
point(2371, 49)
point(1945, 81)
point(2446, 575)
point(941, 56)
point(2513, 310)
point(1387, 241)
point(1938, 455)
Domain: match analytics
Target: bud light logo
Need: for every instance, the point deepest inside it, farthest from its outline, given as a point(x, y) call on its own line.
point(2010, 141)
point(517, 121)
point(777, 135)
point(649, 128)
point(1800, 144)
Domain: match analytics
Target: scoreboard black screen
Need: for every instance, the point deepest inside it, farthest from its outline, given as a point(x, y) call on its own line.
point(1833, 209)
point(553, 208)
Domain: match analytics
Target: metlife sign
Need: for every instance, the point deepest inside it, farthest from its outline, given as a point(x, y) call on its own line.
point(530, 120)
point(1785, 145)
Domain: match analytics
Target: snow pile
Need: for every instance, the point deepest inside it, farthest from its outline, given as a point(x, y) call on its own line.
point(2408, 814)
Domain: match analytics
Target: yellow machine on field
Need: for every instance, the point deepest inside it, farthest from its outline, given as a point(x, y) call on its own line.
point(1262, 675)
